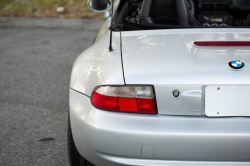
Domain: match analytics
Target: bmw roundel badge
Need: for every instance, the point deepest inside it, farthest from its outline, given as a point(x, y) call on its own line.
point(236, 65)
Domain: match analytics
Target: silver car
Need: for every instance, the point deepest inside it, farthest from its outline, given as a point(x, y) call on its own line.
point(165, 83)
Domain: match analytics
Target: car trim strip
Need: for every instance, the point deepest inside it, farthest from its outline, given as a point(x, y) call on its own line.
point(122, 58)
point(80, 92)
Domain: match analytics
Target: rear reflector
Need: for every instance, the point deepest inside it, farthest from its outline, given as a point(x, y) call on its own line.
point(137, 99)
point(222, 43)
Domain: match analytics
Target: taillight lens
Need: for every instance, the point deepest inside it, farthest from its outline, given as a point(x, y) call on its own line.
point(137, 99)
point(222, 43)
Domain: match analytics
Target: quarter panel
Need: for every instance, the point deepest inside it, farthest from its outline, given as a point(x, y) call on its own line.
point(97, 65)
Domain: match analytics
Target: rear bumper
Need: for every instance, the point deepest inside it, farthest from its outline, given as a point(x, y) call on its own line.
point(110, 138)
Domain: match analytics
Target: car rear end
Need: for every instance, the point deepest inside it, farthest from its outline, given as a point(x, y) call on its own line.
point(180, 104)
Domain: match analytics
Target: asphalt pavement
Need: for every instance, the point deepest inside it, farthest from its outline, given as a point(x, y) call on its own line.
point(36, 57)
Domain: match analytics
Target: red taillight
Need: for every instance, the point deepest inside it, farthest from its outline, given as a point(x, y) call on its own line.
point(102, 101)
point(138, 99)
point(222, 43)
point(146, 105)
point(128, 104)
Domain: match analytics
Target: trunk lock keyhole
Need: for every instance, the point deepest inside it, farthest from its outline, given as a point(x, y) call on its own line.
point(176, 93)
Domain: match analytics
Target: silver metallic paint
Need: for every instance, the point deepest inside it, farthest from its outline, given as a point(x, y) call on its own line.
point(188, 103)
point(97, 65)
point(106, 138)
point(169, 58)
point(144, 162)
point(163, 57)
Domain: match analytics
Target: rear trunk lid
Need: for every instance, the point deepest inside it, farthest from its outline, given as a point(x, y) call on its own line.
point(169, 60)
point(170, 57)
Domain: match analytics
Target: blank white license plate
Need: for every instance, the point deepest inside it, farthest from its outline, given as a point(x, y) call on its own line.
point(227, 101)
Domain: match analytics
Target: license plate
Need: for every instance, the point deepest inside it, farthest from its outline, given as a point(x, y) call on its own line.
point(227, 101)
